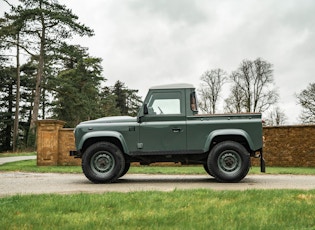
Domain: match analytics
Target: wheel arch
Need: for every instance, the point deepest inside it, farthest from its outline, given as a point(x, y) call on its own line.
point(109, 136)
point(236, 135)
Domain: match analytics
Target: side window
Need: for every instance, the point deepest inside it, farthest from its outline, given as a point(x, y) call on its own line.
point(193, 102)
point(165, 104)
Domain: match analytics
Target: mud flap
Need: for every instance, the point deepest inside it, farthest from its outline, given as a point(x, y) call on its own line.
point(262, 162)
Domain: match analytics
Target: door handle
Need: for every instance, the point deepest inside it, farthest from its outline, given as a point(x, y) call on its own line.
point(176, 130)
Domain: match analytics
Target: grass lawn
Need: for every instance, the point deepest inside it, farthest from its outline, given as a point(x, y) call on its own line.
point(30, 166)
point(188, 209)
point(193, 209)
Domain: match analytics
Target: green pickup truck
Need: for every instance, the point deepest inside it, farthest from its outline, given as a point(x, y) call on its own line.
point(168, 128)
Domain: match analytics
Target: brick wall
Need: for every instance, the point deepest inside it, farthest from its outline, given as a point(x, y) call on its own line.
point(289, 146)
point(284, 145)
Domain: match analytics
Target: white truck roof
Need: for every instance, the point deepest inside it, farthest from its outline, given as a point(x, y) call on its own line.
point(174, 86)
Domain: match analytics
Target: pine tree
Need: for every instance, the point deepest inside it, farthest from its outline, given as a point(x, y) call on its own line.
point(127, 100)
point(7, 83)
point(42, 25)
point(76, 88)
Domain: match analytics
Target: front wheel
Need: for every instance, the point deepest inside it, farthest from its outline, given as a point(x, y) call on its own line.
point(103, 162)
point(228, 161)
point(205, 166)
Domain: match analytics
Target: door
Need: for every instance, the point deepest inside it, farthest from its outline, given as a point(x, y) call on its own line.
point(163, 129)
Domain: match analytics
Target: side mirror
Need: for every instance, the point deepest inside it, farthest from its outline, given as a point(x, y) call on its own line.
point(145, 109)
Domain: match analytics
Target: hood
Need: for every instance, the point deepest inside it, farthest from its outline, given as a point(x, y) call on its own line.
point(114, 119)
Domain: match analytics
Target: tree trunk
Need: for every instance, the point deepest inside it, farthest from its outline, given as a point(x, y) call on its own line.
point(17, 99)
point(8, 116)
point(37, 96)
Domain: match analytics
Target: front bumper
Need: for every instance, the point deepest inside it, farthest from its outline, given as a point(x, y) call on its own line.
point(75, 154)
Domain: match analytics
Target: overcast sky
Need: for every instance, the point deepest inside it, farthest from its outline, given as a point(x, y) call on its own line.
point(152, 42)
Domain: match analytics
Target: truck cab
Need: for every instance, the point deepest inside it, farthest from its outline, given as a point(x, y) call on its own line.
point(163, 118)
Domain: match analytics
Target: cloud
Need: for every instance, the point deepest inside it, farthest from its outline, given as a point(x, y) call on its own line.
point(179, 11)
point(151, 42)
point(145, 43)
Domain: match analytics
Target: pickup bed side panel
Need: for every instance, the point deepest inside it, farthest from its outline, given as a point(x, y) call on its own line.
point(202, 130)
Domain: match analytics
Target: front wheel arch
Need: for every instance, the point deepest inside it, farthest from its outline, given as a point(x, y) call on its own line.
point(90, 141)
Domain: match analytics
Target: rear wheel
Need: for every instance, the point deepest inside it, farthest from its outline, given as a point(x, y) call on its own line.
point(228, 161)
point(103, 162)
point(127, 167)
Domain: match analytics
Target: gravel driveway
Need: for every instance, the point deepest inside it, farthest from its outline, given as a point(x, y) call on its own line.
point(4, 160)
point(37, 183)
point(12, 183)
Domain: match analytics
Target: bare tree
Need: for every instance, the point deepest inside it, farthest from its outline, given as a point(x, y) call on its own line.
point(254, 80)
point(276, 117)
point(233, 104)
point(307, 100)
point(211, 86)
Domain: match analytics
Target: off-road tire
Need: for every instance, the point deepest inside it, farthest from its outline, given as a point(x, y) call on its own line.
point(205, 166)
point(126, 169)
point(103, 162)
point(228, 161)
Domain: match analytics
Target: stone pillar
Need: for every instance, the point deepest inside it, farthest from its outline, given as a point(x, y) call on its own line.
point(66, 143)
point(47, 141)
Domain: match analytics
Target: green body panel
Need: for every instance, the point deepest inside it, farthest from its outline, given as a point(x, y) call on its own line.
point(167, 123)
point(202, 130)
point(97, 134)
point(165, 135)
point(123, 128)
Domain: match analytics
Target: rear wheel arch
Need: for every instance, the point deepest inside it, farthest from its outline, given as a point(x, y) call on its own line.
point(235, 138)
